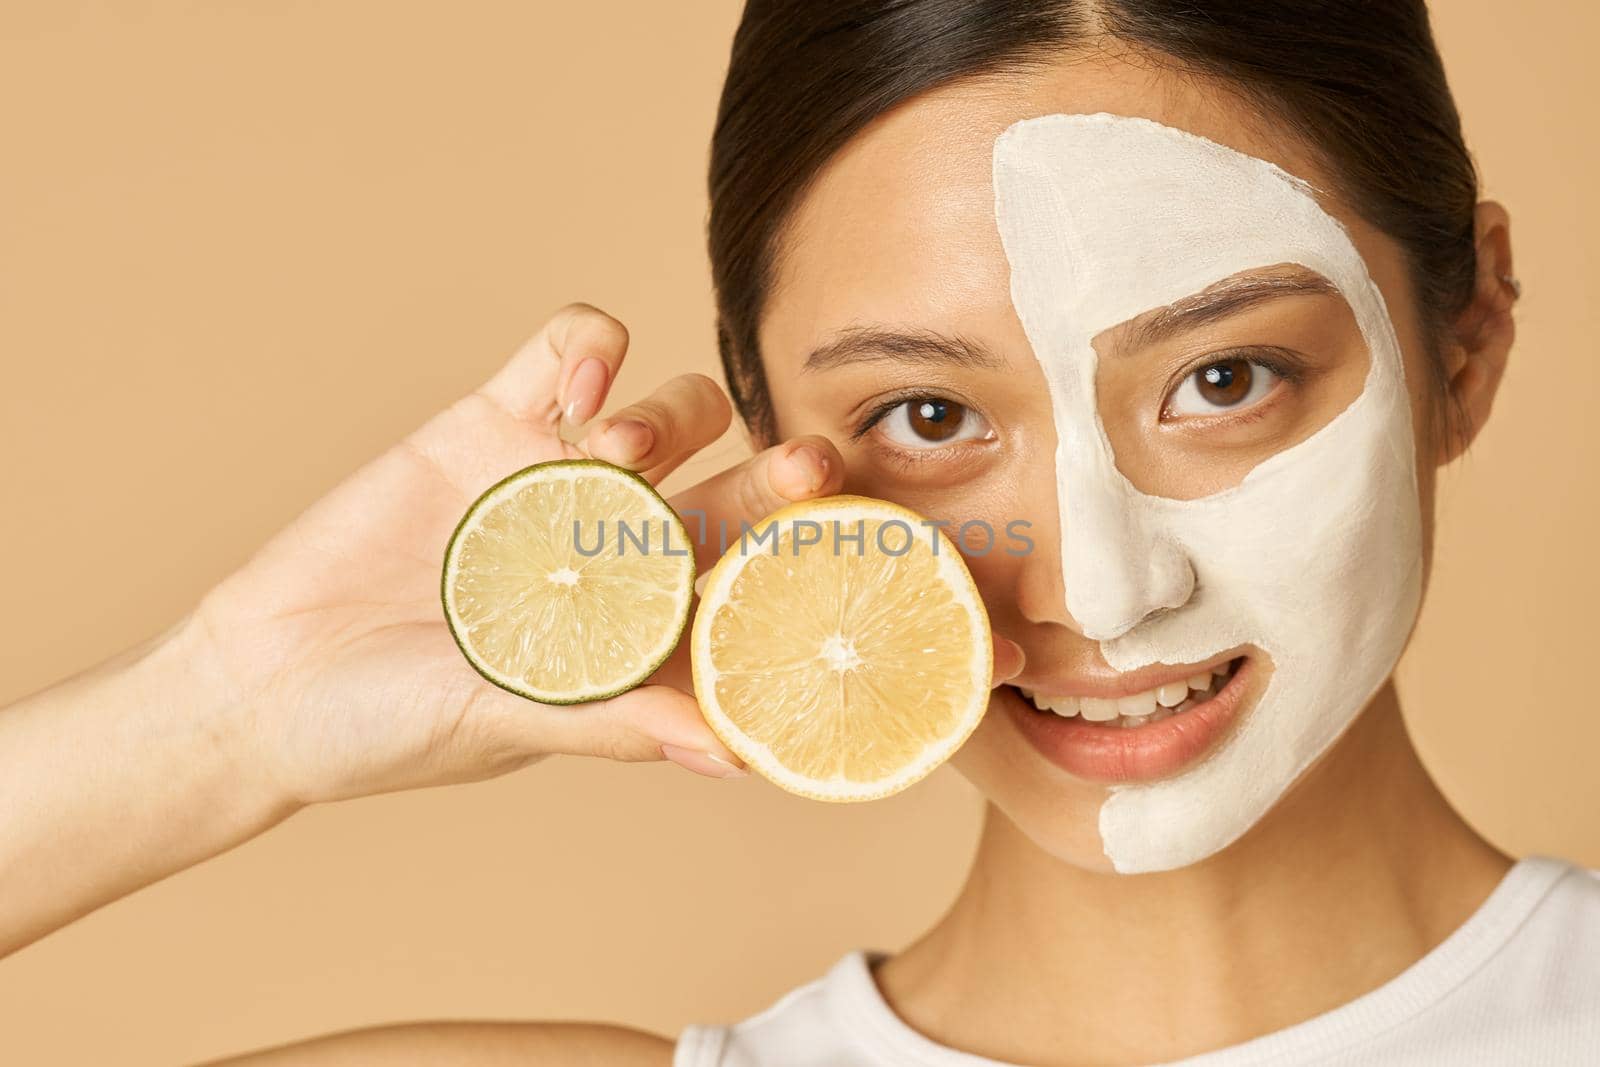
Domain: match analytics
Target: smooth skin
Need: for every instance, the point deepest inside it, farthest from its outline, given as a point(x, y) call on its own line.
point(321, 670)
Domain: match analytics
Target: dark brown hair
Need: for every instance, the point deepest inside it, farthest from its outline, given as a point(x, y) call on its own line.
point(1359, 80)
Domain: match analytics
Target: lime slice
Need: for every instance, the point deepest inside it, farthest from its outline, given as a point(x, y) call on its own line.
point(842, 667)
point(568, 581)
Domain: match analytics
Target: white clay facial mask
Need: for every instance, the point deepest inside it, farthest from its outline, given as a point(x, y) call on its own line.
point(1315, 556)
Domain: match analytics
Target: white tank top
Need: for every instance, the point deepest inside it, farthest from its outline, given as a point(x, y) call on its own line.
point(1517, 983)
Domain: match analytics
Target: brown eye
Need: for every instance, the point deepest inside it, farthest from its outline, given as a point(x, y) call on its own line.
point(928, 422)
point(935, 420)
point(1224, 384)
point(1216, 387)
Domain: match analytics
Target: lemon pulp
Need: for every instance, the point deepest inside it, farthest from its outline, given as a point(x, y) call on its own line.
point(845, 669)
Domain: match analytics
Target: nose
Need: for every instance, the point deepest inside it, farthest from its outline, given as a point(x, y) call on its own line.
point(1117, 567)
point(1120, 567)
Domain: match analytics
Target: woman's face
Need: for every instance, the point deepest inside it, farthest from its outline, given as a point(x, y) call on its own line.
point(1164, 382)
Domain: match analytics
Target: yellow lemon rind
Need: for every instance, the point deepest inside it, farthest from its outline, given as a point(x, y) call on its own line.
point(714, 592)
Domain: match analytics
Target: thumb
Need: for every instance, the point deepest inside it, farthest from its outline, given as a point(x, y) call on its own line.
point(669, 721)
point(651, 722)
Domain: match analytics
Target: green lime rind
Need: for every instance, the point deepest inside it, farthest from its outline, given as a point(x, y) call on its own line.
point(681, 624)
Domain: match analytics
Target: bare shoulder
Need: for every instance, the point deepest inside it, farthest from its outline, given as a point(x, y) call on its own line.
point(470, 1044)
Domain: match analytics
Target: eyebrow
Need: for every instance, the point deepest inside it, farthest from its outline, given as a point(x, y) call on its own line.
point(1227, 297)
point(869, 343)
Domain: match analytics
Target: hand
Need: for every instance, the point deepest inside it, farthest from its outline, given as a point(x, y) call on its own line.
point(328, 648)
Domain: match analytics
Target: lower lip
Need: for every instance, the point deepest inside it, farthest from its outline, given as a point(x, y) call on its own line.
point(1104, 752)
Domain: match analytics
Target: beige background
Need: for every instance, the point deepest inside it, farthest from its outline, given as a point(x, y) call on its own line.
point(243, 246)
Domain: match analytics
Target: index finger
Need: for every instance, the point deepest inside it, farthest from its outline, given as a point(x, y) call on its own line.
point(565, 368)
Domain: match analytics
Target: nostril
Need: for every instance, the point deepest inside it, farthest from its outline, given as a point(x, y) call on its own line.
point(1172, 578)
point(1113, 631)
point(1124, 584)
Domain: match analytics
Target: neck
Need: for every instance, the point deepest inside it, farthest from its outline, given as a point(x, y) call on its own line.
point(1357, 872)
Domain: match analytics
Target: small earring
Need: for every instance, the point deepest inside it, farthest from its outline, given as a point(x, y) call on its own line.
point(1516, 286)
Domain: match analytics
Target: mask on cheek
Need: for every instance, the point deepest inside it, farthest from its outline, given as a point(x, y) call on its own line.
point(1315, 556)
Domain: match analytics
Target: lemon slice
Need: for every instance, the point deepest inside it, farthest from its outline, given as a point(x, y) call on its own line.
point(843, 669)
point(568, 581)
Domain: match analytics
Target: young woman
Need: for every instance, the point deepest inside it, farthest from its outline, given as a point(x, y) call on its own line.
point(1200, 291)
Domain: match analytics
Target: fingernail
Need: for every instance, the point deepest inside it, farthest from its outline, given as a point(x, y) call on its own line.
point(626, 440)
point(813, 462)
point(584, 390)
point(706, 763)
point(1004, 646)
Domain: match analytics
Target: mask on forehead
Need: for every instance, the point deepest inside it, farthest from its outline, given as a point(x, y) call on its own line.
point(1314, 557)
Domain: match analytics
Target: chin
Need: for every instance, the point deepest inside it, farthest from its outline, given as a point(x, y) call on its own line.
point(1049, 776)
point(1058, 814)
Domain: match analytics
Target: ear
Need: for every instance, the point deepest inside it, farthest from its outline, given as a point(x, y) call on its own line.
point(1476, 352)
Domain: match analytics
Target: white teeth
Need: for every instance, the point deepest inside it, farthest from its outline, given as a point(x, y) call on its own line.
point(1139, 704)
point(1097, 710)
point(1064, 706)
point(1150, 706)
point(1170, 696)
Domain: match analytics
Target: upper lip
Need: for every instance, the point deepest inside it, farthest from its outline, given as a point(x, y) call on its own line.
point(1110, 685)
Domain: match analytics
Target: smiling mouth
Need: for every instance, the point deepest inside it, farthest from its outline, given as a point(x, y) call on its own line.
point(1139, 709)
point(1137, 737)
